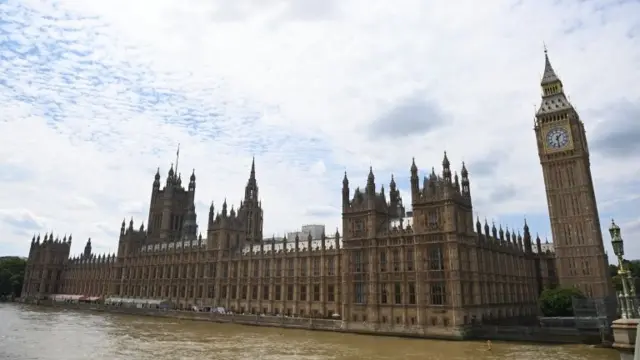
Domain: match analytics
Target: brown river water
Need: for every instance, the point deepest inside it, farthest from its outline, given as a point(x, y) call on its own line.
point(40, 333)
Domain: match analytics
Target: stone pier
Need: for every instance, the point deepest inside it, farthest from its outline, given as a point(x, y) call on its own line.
point(625, 338)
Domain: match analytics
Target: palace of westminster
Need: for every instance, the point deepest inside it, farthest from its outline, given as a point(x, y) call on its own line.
point(441, 269)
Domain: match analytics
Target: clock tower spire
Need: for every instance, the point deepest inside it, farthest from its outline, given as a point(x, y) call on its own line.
point(573, 212)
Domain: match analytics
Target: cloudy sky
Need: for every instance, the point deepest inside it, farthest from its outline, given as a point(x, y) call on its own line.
point(95, 95)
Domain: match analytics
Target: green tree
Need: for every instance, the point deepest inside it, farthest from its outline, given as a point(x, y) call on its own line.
point(5, 283)
point(11, 276)
point(558, 301)
point(633, 266)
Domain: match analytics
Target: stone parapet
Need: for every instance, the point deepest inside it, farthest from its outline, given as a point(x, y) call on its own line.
point(625, 333)
point(504, 333)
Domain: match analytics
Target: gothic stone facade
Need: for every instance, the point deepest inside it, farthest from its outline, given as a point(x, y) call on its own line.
point(434, 271)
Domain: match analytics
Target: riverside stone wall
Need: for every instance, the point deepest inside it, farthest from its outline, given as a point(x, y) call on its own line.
point(494, 333)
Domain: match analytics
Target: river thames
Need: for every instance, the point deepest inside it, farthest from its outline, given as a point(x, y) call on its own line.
point(39, 333)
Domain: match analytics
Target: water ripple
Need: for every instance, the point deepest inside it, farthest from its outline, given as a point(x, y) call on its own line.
point(38, 333)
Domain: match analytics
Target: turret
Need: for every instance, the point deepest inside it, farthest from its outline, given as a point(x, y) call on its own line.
point(156, 182)
point(527, 239)
point(396, 207)
point(466, 188)
point(87, 250)
point(456, 182)
point(284, 244)
point(192, 181)
point(415, 181)
point(486, 229)
point(433, 179)
point(370, 190)
point(446, 169)
point(170, 177)
point(345, 191)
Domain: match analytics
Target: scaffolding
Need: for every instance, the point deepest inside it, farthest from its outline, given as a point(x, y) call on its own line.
point(595, 313)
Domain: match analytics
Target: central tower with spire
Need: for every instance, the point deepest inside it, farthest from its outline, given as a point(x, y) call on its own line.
point(251, 208)
point(573, 211)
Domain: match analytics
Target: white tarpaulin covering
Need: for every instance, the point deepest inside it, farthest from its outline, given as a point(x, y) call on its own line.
point(135, 301)
point(66, 297)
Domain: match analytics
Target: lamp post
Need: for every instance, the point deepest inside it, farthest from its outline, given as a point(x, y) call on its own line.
point(628, 308)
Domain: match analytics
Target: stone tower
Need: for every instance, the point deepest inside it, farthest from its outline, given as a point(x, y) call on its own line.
point(251, 209)
point(45, 265)
point(170, 206)
point(575, 225)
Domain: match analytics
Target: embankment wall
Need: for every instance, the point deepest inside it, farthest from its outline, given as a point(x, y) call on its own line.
point(494, 333)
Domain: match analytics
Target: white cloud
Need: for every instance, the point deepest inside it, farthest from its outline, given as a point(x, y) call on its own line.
point(318, 168)
point(94, 98)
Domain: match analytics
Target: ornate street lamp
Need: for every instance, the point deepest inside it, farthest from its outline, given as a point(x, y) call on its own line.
point(616, 240)
point(627, 303)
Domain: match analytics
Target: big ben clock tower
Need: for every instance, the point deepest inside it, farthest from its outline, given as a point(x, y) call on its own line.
point(575, 225)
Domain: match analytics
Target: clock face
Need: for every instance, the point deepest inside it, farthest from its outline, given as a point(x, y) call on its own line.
point(557, 138)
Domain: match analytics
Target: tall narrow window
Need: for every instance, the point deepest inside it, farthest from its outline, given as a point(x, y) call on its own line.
point(331, 293)
point(357, 262)
point(384, 294)
point(331, 265)
point(396, 260)
point(409, 259)
point(397, 292)
point(412, 293)
point(359, 293)
point(438, 293)
point(436, 259)
point(383, 260)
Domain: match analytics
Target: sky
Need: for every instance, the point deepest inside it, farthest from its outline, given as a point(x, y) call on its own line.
point(96, 95)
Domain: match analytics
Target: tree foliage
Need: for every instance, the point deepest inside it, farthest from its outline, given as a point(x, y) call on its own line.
point(558, 301)
point(633, 266)
point(11, 276)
